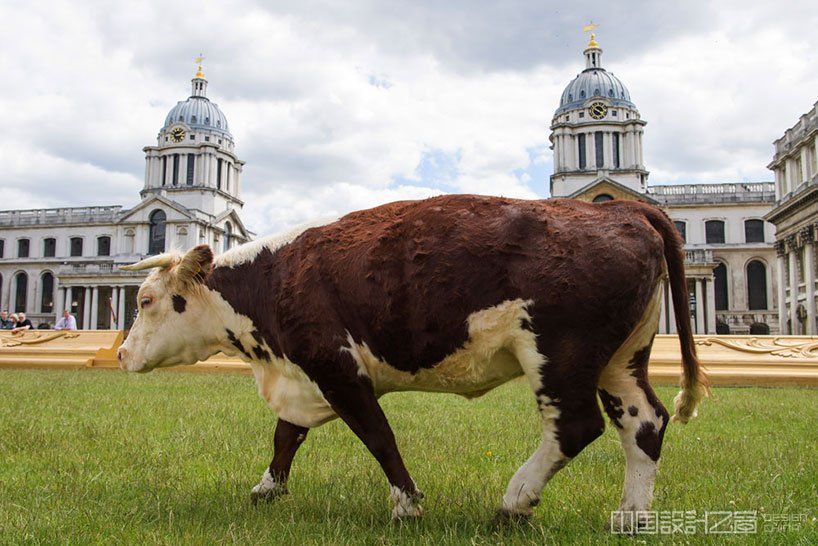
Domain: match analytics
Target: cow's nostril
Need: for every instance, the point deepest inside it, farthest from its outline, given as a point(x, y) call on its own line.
point(120, 354)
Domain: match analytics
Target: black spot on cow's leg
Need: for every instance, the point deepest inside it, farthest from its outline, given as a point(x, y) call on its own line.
point(179, 303)
point(613, 407)
point(649, 439)
point(633, 411)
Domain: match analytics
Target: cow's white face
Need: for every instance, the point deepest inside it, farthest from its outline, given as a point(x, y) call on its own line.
point(179, 321)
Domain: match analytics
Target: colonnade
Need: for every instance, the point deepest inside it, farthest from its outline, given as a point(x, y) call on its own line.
point(796, 269)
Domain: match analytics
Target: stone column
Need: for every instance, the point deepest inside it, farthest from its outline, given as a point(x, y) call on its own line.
point(590, 151)
point(182, 180)
point(671, 313)
point(113, 305)
point(663, 311)
point(781, 279)
point(86, 311)
point(120, 313)
point(94, 308)
point(793, 285)
point(69, 296)
point(699, 284)
point(59, 302)
point(809, 277)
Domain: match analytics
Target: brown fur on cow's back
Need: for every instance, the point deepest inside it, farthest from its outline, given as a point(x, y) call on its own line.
point(404, 277)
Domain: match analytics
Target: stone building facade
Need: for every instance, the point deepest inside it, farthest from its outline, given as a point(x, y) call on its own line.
point(596, 135)
point(67, 258)
point(795, 216)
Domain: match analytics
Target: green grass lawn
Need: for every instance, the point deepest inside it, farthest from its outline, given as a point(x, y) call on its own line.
point(96, 456)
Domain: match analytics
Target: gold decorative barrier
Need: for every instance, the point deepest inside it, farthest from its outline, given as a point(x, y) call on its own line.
point(59, 348)
point(729, 360)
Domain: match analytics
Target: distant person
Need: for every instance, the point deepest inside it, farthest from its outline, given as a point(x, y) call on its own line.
point(5, 321)
point(22, 325)
point(66, 322)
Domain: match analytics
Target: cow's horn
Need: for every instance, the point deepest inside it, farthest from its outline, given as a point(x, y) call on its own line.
point(162, 260)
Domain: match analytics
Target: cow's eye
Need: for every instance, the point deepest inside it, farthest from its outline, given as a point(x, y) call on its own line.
point(144, 302)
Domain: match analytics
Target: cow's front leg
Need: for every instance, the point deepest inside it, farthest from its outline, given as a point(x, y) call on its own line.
point(353, 399)
point(288, 437)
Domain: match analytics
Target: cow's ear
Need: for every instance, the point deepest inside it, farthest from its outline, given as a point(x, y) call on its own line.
point(195, 265)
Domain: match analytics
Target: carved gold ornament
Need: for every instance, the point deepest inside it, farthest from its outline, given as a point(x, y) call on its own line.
point(776, 346)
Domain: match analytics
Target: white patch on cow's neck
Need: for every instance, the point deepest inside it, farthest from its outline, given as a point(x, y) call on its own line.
point(248, 251)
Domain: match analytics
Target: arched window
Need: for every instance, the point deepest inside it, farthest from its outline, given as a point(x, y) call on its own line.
point(103, 246)
point(756, 285)
point(720, 287)
point(602, 197)
point(754, 231)
point(20, 292)
point(47, 297)
point(49, 247)
point(156, 238)
point(228, 234)
point(76, 246)
point(714, 231)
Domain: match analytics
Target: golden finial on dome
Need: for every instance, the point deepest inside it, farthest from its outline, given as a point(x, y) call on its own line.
point(590, 28)
point(199, 73)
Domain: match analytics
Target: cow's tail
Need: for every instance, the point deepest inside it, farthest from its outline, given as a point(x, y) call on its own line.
point(694, 382)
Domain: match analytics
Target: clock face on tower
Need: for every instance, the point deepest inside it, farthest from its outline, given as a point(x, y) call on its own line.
point(598, 110)
point(177, 134)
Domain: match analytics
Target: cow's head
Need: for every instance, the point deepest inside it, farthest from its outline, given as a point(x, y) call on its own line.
point(179, 320)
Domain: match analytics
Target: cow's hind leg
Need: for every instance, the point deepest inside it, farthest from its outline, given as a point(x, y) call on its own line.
point(288, 438)
point(639, 417)
point(571, 420)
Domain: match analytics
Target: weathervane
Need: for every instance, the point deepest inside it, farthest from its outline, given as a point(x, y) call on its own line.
point(590, 27)
point(199, 59)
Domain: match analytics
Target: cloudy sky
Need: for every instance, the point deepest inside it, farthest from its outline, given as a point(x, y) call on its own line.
point(343, 105)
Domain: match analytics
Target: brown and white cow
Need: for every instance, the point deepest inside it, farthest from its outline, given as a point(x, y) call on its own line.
point(455, 294)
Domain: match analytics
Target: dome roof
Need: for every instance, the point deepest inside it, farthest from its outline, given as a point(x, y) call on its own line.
point(198, 113)
point(594, 82)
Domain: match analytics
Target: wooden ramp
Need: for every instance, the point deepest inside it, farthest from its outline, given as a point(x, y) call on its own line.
point(729, 360)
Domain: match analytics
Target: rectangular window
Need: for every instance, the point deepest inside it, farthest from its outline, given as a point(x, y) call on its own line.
point(49, 248)
point(599, 149)
point(175, 169)
point(616, 149)
point(681, 227)
point(581, 145)
point(582, 114)
point(2, 247)
point(714, 232)
point(76, 246)
point(754, 231)
point(191, 162)
point(227, 170)
point(614, 113)
point(219, 174)
point(164, 170)
point(104, 246)
point(22, 248)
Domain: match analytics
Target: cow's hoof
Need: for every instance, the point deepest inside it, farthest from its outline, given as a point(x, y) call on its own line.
point(505, 518)
point(259, 494)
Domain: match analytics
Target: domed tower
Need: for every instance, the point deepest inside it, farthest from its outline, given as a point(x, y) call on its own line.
point(596, 132)
point(194, 162)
